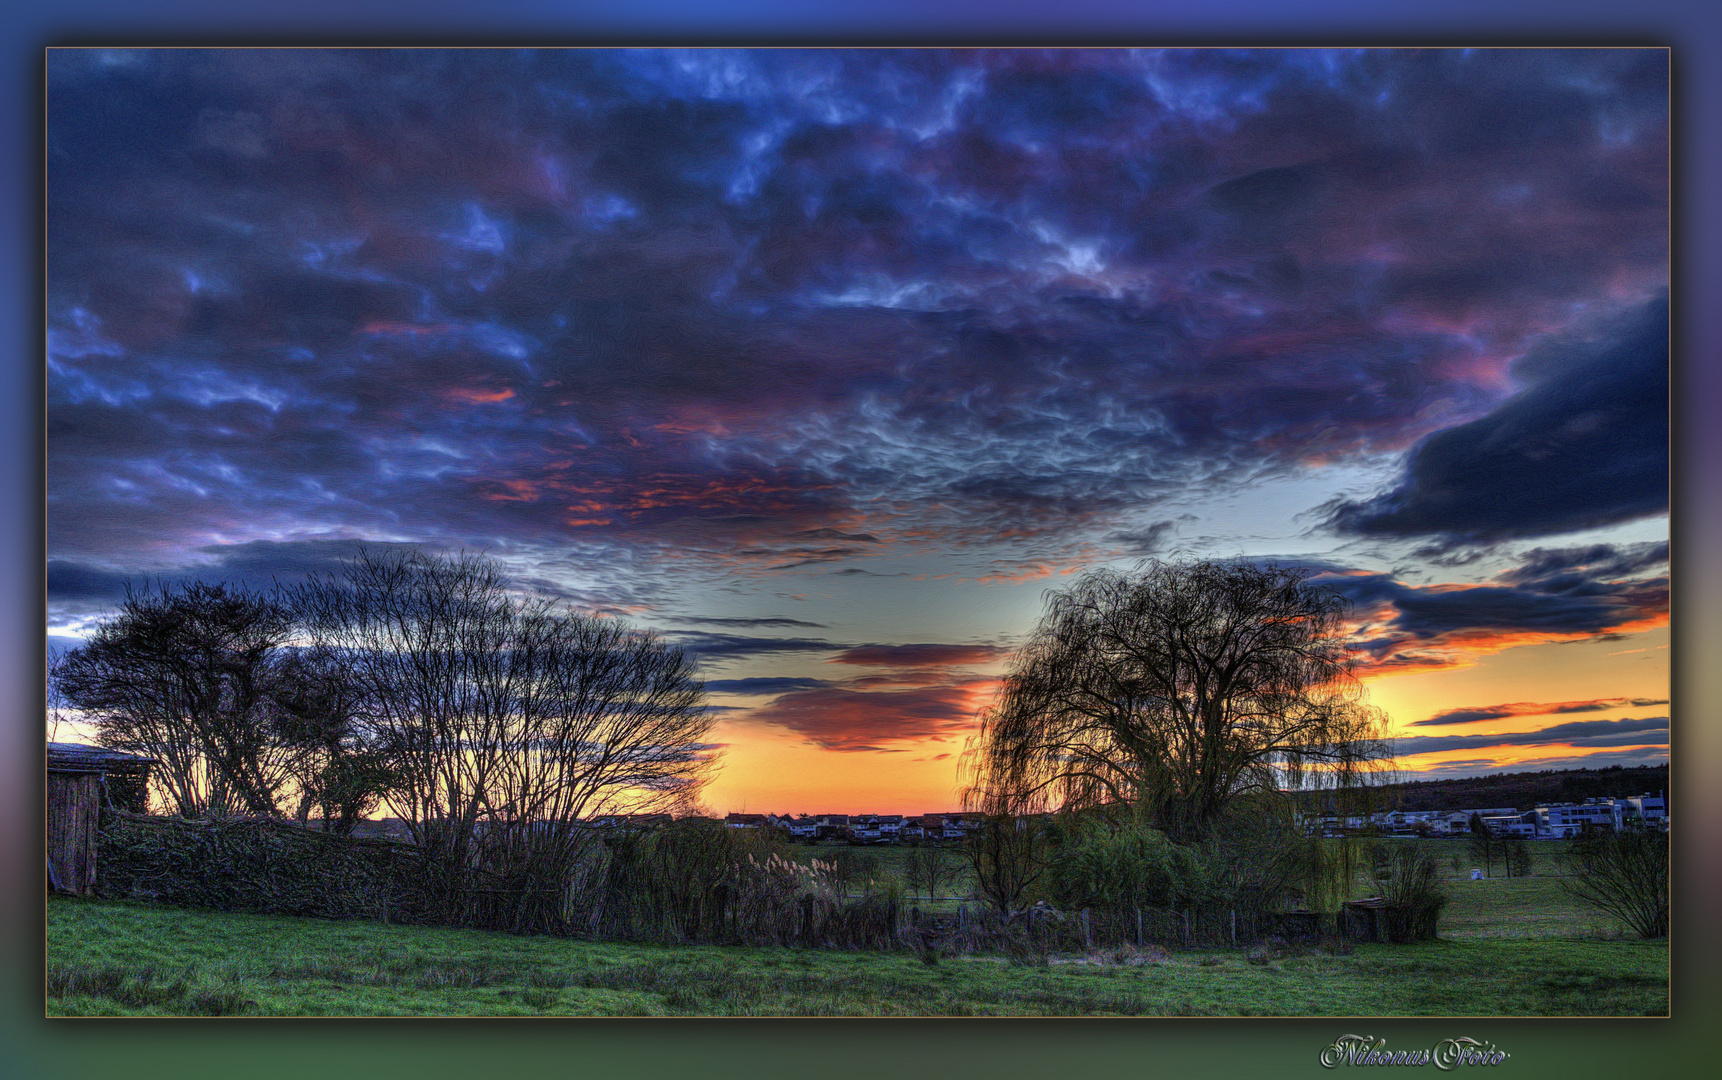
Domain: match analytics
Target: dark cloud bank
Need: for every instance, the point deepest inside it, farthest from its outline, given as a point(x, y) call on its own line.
point(1585, 445)
point(754, 312)
point(784, 308)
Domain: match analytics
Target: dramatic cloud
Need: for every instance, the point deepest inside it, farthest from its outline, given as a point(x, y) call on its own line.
point(925, 655)
point(700, 620)
point(1552, 597)
point(1586, 445)
point(763, 686)
point(72, 581)
point(737, 645)
point(1585, 734)
point(788, 307)
point(1568, 569)
point(870, 342)
point(1152, 540)
point(853, 720)
point(1478, 714)
point(1589, 759)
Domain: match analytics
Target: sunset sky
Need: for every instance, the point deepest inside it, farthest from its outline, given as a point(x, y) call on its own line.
point(829, 364)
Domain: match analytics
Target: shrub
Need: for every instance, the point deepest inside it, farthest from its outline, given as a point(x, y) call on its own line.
point(1624, 874)
point(1411, 885)
point(1137, 867)
point(929, 871)
point(696, 881)
point(1007, 857)
point(1234, 885)
point(258, 865)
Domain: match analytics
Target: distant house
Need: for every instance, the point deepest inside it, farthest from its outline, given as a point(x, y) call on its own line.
point(832, 827)
point(629, 822)
point(82, 780)
point(1555, 821)
point(745, 821)
point(1511, 825)
point(960, 825)
point(1454, 824)
point(1642, 812)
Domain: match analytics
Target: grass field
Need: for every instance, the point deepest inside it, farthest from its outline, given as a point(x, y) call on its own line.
point(1521, 907)
point(1509, 947)
point(1496, 907)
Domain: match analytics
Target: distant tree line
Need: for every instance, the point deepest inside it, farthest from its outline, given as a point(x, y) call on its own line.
point(1525, 789)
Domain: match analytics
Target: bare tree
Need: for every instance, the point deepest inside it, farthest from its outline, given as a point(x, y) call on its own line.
point(183, 674)
point(505, 722)
point(55, 700)
point(1006, 856)
point(1173, 690)
point(929, 870)
point(1518, 857)
point(342, 769)
point(1483, 845)
point(1623, 873)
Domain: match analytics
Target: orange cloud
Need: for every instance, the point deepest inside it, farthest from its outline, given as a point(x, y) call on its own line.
point(1463, 648)
point(474, 396)
point(856, 720)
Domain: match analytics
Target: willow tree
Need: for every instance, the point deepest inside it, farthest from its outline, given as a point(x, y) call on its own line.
point(1175, 692)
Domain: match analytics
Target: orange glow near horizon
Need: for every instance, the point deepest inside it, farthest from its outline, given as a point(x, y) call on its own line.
point(780, 772)
point(1634, 667)
point(767, 769)
point(764, 772)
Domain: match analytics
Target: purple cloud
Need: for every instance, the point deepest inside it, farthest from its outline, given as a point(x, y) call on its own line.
point(780, 309)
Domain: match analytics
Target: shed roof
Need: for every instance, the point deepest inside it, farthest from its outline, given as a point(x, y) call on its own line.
point(78, 757)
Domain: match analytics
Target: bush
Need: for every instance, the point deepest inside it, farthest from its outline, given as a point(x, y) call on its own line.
point(929, 871)
point(258, 865)
point(1624, 874)
point(1235, 885)
point(1007, 857)
point(1411, 885)
point(1137, 867)
point(848, 868)
point(699, 881)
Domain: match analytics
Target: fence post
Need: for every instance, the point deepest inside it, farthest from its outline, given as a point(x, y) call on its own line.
point(1234, 926)
point(1087, 932)
point(1138, 927)
point(1188, 941)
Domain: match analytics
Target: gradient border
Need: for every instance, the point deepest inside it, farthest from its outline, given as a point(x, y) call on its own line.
point(31, 1047)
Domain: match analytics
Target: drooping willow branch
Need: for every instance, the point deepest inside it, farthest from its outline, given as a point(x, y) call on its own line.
point(1173, 690)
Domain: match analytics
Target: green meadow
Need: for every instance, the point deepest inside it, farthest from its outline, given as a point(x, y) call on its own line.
point(1508, 947)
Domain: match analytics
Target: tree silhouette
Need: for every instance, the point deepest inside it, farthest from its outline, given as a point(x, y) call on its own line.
point(184, 674)
point(1175, 690)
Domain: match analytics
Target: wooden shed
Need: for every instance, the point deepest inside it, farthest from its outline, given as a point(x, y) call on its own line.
point(1374, 919)
point(81, 781)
